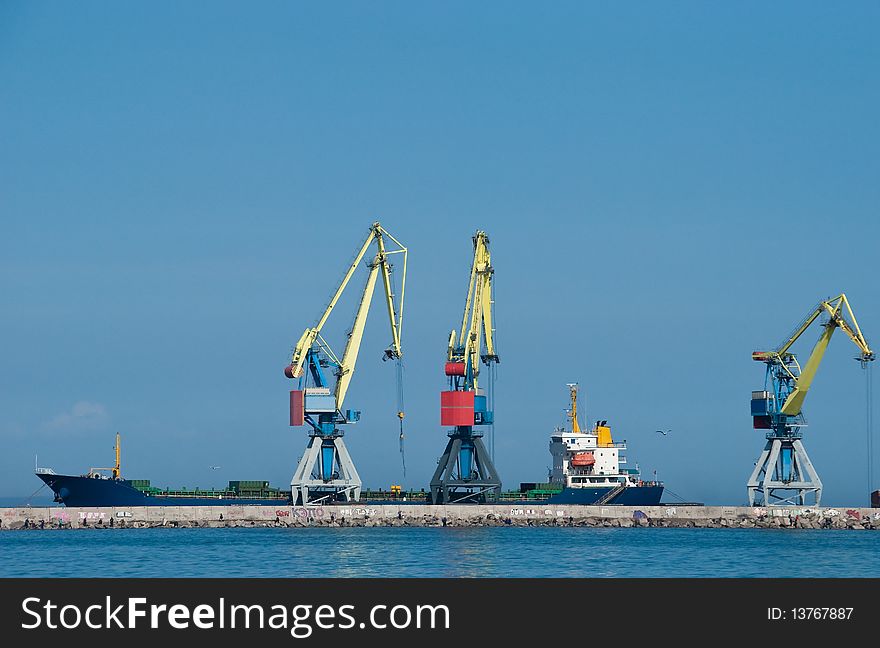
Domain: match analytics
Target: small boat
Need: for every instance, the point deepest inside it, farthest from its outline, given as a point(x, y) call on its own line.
point(583, 459)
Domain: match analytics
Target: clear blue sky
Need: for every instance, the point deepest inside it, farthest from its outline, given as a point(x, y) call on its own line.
point(667, 187)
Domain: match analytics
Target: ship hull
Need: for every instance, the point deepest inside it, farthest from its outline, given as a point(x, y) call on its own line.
point(87, 491)
point(82, 491)
point(630, 496)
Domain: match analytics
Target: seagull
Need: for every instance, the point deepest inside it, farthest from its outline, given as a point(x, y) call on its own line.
point(662, 432)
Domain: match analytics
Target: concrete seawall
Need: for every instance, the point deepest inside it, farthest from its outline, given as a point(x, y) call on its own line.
point(423, 515)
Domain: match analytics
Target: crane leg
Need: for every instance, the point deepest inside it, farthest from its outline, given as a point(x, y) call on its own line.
point(325, 473)
point(465, 472)
point(784, 474)
point(754, 483)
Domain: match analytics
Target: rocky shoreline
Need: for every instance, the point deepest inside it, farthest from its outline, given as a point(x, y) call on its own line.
point(452, 516)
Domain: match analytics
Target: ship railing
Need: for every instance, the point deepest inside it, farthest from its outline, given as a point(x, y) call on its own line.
point(610, 495)
point(512, 496)
point(402, 496)
point(215, 493)
point(44, 471)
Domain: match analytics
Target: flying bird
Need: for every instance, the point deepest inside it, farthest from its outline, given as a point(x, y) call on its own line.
point(662, 432)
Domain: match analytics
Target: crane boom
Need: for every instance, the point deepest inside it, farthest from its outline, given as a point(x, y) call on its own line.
point(476, 323)
point(389, 302)
point(795, 401)
point(310, 335)
point(352, 347)
point(834, 308)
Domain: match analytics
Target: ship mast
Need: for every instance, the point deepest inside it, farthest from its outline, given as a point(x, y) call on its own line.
point(116, 468)
point(572, 413)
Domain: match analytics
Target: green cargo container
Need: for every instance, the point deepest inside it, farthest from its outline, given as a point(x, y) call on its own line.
point(248, 485)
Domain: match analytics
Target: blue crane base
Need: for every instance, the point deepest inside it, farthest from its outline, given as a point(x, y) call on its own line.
point(465, 472)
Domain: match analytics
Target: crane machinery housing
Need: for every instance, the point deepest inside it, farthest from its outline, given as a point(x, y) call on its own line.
point(784, 473)
point(465, 472)
point(326, 472)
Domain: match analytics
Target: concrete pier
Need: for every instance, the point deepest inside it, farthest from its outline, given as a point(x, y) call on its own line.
point(424, 515)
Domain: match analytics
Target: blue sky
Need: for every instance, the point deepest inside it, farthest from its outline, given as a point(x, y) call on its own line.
point(666, 188)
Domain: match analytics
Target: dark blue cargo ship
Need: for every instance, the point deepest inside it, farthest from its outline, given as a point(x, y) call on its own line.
point(99, 490)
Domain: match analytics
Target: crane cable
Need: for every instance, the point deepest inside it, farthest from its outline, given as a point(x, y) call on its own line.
point(492, 372)
point(869, 423)
point(400, 410)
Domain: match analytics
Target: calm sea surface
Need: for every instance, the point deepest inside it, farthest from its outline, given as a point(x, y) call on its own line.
point(442, 552)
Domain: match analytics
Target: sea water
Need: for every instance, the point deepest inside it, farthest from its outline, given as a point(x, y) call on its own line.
point(440, 552)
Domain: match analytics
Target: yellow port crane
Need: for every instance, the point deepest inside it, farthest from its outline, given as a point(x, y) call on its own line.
point(326, 471)
point(466, 471)
point(784, 473)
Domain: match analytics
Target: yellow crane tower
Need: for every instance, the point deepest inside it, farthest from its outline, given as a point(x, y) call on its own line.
point(466, 471)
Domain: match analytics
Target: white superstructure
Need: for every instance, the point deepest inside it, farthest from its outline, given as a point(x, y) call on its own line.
point(588, 459)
